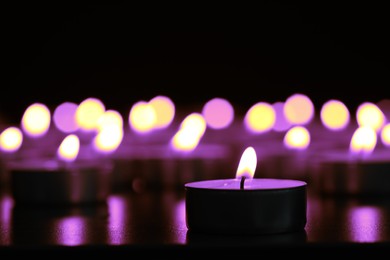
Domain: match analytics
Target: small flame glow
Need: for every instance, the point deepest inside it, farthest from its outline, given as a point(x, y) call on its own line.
point(190, 133)
point(64, 117)
point(385, 135)
point(248, 163)
point(335, 115)
point(218, 112)
point(298, 138)
point(108, 139)
point(108, 118)
point(363, 140)
point(185, 140)
point(142, 117)
point(260, 118)
point(165, 111)
point(36, 120)
point(69, 148)
point(299, 109)
point(88, 113)
point(369, 114)
point(11, 139)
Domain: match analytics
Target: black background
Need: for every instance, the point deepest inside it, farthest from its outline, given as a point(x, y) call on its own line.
point(123, 53)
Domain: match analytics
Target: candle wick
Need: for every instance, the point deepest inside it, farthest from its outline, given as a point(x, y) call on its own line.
point(242, 182)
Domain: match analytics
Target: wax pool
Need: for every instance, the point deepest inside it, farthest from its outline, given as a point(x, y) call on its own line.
point(263, 206)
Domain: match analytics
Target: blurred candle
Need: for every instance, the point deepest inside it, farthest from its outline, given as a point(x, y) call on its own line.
point(62, 180)
point(361, 171)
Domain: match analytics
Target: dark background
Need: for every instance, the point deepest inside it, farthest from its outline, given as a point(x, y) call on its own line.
point(122, 53)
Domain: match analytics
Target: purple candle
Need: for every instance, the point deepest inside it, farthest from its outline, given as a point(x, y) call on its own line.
point(244, 205)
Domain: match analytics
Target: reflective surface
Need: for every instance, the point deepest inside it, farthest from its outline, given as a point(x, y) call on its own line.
point(137, 221)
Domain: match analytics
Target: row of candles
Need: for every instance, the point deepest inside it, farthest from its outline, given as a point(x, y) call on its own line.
point(165, 147)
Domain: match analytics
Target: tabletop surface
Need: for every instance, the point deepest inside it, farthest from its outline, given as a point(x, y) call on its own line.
point(155, 219)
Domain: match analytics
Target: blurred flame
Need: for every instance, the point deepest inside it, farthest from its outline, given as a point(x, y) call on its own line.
point(11, 139)
point(248, 163)
point(88, 113)
point(363, 140)
point(109, 117)
point(385, 135)
point(334, 115)
point(164, 109)
point(142, 117)
point(299, 109)
point(218, 113)
point(36, 120)
point(69, 148)
point(298, 137)
point(369, 114)
point(108, 139)
point(64, 117)
point(260, 117)
point(190, 133)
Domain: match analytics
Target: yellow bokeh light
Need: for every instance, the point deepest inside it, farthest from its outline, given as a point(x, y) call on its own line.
point(11, 139)
point(299, 109)
point(165, 111)
point(69, 148)
point(335, 115)
point(385, 135)
point(297, 137)
point(108, 139)
point(248, 163)
point(36, 120)
point(363, 140)
point(142, 117)
point(195, 122)
point(109, 117)
point(185, 140)
point(192, 129)
point(88, 112)
point(260, 118)
point(369, 114)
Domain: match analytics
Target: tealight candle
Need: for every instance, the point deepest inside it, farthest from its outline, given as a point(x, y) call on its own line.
point(362, 170)
point(246, 205)
point(62, 181)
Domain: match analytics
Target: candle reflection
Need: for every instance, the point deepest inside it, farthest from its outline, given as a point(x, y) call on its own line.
point(118, 220)
point(71, 231)
point(6, 204)
point(365, 223)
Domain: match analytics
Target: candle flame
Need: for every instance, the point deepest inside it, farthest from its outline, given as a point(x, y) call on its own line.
point(142, 117)
point(248, 163)
point(11, 139)
point(335, 115)
point(299, 109)
point(298, 138)
point(88, 113)
point(165, 111)
point(109, 117)
point(190, 133)
point(385, 135)
point(108, 139)
point(369, 114)
point(363, 140)
point(69, 148)
point(260, 118)
point(36, 120)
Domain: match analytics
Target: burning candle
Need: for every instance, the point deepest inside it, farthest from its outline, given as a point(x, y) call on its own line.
point(363, 168)
point(246, 205)
point(361, 171)
point(64, 180)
